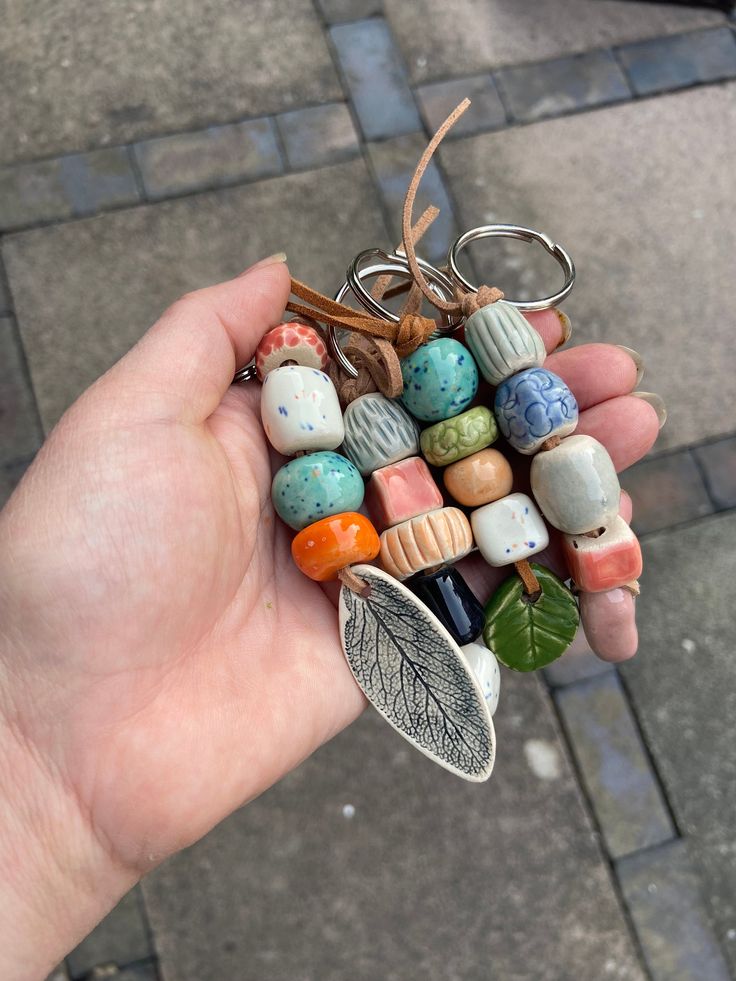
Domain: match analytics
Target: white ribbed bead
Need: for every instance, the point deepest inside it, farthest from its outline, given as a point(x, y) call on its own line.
point(503, 341)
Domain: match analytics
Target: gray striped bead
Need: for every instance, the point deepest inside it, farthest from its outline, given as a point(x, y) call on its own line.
point(503, 341)
point(378, 431)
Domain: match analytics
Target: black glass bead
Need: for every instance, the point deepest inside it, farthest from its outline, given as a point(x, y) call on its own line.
point(452, 601)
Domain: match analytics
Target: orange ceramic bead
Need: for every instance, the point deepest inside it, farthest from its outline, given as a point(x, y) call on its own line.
point(322, 549)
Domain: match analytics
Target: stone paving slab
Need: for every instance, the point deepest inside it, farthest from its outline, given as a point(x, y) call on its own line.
point(438, 99)
point(67, 187)
point(393, 163)
point(107, 279)
point(75, 77)
point(120, 939)
point(376, 79)
point(213, 157)
point(629, 193)
point(616, 772)
point(551, 88)
point(718, 461)
point(664, 895)
point(666, 490)
point(669, 63)
point(469, 36)
point(318, 135)
point(429, 878)
point(683, 686)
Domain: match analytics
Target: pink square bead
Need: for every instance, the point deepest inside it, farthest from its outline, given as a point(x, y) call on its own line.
point(401, 491)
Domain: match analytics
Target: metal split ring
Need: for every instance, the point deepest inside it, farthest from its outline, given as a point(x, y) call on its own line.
point(389, 264)
point(526, 235)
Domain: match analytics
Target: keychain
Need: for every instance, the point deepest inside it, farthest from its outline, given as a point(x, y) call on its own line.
point(418, 642)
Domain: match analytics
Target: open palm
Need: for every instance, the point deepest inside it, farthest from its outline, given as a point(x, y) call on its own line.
point(173, 663)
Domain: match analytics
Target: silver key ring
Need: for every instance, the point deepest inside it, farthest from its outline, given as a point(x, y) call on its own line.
point(526, 235)
point(390, 264)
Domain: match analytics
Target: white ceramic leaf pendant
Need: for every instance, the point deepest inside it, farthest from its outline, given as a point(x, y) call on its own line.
point(415, 675)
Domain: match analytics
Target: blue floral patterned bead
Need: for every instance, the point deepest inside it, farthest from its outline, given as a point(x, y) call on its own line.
point(440, 380)
point(316, 486)
point(532, 406)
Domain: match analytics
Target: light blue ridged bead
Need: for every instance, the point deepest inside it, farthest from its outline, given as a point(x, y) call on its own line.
point(316, 486)
point(503, 341)
point(440, 380)
point(532, 406)
point(378, 432)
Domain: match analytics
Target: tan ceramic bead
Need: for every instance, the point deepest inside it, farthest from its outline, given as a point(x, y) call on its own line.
point(479, 479)
point(425, 541)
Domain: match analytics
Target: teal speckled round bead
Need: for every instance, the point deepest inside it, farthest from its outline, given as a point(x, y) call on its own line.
point(316, 486)
point(440, 380)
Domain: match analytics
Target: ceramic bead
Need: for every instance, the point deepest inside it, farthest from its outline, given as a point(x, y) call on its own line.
point(320, 550)
point(575, 485)
point(449, 597)
point(532, 406)
point(316, 486)
point(479, 479)
point(503, 341)
point(609, 623)
point(436, 538)
point(291, 341)
point(401, 491)
point(484, 666)
point(606, 561)
point(440, 380)
point(455, 438)
point(509, 530)
point(378, 432)
point(300, 410)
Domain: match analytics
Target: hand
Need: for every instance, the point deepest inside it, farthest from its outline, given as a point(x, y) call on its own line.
point(162, 661)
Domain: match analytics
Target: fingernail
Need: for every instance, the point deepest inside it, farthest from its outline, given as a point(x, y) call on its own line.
point(566, 327)
point(656, 402)
point(637, 359)
point(268, 261)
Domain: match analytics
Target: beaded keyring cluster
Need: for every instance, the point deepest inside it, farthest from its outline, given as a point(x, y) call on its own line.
point(362, 486)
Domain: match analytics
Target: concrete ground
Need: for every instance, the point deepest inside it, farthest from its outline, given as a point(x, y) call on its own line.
point(152, 148)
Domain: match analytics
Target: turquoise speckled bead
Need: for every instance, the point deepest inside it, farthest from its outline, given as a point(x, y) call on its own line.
point(440, 380)
point(316, 486)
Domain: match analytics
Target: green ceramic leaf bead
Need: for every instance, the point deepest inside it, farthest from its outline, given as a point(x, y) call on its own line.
point(453, 439)
point(524, 635)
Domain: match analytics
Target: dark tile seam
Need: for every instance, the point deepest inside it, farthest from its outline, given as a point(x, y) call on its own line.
point(281, 146)
point(137, 174)
point(599, 837)
point(148, 927)
point(683, 525)
point(25, 366)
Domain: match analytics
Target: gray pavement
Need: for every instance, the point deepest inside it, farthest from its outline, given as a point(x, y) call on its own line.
point(167, 146)
point(630, 193)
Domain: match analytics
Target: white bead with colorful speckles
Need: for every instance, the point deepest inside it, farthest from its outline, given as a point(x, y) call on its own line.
point(300, 410)
point(509, 530)
point(482, 662)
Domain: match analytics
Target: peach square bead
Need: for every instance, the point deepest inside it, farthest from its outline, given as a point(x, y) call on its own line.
point(479, 479)
point(401, 491)
point(606, 562)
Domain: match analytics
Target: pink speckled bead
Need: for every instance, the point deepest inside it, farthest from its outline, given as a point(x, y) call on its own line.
point(609, 623)
point(291, 341)
point(401, 491)
point(436, 538)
